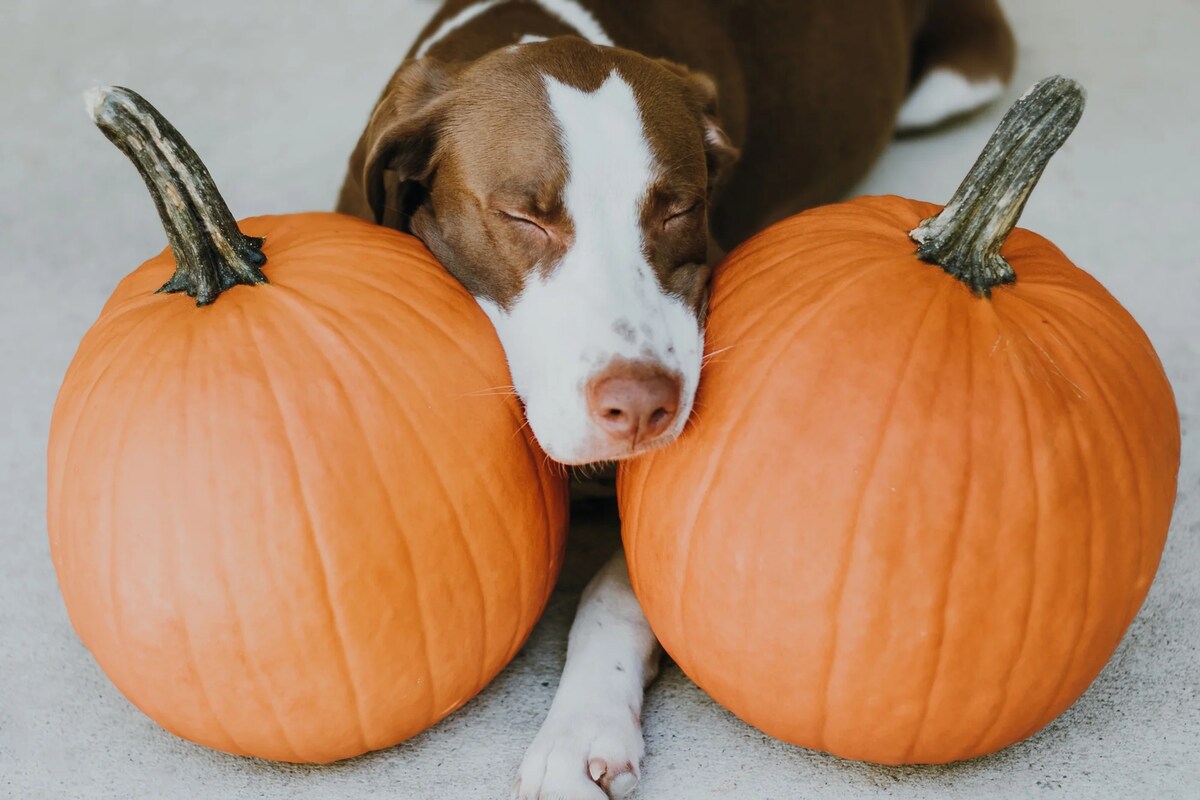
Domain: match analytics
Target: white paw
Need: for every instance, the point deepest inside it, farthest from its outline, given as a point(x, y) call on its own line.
point(585, 754)
point(942, 95)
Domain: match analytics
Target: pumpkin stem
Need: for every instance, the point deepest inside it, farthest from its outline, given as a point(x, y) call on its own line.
point(211, 253)
point(966, 237)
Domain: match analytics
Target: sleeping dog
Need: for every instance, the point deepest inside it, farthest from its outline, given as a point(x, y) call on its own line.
point(579, 165)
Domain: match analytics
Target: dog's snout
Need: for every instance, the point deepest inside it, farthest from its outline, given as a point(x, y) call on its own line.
point(634, 402)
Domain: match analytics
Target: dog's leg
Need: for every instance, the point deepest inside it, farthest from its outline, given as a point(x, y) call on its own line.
point(962, 61)
point(590, 746)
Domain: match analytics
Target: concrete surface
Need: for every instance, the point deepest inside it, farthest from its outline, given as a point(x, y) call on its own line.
point(273, 95)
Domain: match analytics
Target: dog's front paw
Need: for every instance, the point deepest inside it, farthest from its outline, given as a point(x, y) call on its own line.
point(585, 754)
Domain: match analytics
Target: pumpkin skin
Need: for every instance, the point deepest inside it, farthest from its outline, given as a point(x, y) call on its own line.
point(909, 525)
point(300, 523)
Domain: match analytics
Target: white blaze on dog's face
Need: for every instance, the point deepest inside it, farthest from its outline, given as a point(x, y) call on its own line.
point(602, 304)
point(567, 189)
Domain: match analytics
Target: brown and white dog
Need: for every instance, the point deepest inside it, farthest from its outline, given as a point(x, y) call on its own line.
point(562, 158)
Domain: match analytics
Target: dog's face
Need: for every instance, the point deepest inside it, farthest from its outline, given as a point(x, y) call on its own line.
point(566, 186)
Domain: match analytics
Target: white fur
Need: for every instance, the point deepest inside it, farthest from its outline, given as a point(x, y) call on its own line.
point(568, 12)
point(943, 94)
point(454, 23)
point(567, 327)
point(578, 18)
point(593, 732)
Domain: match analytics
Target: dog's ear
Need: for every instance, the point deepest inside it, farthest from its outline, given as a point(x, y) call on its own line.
point(396, 153)
point(718, 147)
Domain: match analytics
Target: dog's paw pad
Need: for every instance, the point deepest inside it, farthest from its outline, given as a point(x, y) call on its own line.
point(584, 757)
point(617, 780)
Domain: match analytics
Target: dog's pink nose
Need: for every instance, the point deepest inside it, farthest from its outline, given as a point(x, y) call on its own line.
point(634, 401)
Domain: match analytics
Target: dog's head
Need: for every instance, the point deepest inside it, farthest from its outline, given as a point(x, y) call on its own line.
point(566, 186)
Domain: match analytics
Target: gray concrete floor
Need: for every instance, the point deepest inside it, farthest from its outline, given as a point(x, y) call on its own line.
point(273, 96)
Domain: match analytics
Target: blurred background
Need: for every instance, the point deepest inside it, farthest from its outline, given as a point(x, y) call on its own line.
point(273, 95)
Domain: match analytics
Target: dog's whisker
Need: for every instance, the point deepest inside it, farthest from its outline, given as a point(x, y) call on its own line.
point(490, 394)
point(518, 431)
point(494, 391)
point(719, 351)
point(711, 357)
point(557, 469)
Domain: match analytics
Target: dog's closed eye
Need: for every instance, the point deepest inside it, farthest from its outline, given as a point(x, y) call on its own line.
point(682, 215)
point(523, 222)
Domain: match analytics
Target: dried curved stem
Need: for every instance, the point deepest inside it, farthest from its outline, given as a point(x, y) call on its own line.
point(211, 253)
point(966, 237)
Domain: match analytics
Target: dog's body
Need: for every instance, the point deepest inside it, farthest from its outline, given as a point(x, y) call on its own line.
point(562, 159)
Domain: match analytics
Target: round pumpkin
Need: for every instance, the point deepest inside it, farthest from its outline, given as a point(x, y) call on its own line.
point(298, 521)
point(918, 507)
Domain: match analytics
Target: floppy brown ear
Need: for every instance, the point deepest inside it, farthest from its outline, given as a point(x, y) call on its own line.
point(718, 147)
point(395, 154)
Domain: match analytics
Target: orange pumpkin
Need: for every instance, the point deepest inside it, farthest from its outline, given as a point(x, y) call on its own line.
point(298, 523)
point(913, 517)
